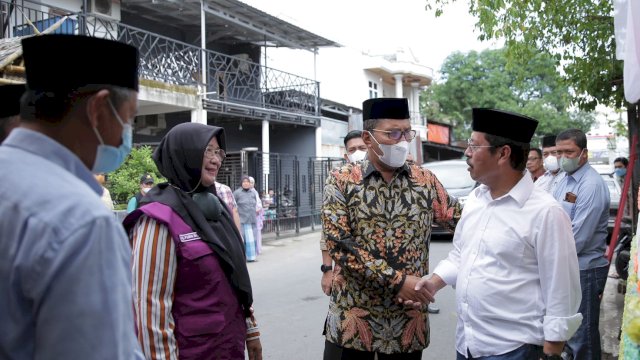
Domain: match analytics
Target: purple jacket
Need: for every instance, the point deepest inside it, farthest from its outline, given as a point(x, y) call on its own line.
point(209, 322)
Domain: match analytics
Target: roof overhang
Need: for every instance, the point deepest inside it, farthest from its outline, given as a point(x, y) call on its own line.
point(411, 73)
point(229, 21)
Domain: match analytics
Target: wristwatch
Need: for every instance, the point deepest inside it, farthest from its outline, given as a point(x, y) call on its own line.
point(551, 357)
point(324, 268)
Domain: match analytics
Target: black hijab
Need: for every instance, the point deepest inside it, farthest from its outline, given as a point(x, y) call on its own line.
point(179, 158)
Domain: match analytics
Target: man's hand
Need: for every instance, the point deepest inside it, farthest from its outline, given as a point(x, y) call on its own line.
point(425, 286)
point(254, 348)
point(327, 279)
point(411, 293)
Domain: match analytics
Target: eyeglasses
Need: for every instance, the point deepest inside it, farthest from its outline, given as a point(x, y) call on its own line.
point(474, 148)
point(397, 134)
point(209, 153)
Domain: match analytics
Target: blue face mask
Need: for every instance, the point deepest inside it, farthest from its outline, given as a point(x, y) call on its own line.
point(621, 172)
point(109, 158)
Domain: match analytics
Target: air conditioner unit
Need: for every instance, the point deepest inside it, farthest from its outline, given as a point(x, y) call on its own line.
point(150, 124)
point(101, 7)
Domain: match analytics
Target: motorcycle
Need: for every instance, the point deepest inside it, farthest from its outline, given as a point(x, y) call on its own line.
point(623, 252)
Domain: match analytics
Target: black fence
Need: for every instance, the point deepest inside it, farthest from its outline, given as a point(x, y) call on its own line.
point(297, 183)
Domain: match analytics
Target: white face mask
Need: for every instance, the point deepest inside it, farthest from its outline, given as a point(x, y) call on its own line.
point(551, 163)
point(357, 156)
point(393, 155)
point(145, 190)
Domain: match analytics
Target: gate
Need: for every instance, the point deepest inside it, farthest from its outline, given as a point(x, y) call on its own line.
point(297, 183)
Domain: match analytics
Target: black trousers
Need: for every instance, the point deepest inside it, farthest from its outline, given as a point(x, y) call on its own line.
point(335, 352)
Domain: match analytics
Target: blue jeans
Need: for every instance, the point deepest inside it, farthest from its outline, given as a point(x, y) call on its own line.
point(524, 352)
point(585, 343)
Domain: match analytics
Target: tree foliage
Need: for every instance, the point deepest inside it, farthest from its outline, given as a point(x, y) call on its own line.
point(486, 79)
point(125, 182)
point(578, 33)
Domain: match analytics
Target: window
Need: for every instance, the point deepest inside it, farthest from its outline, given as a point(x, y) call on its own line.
point(373, 90)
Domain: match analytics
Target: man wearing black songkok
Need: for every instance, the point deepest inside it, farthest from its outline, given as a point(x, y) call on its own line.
point(553, 173)
point(513, 264)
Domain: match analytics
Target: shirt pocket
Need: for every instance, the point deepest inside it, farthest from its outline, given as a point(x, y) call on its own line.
point(193, 250)
point(201, 324)
point(568, 208)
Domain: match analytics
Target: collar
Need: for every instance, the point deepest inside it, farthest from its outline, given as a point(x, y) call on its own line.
point(520, 192)
point(370, 169)
point(50, 150)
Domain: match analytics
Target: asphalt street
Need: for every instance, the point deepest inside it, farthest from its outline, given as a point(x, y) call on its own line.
point(291, 307)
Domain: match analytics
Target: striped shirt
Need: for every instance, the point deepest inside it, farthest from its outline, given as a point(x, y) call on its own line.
point(154, 272)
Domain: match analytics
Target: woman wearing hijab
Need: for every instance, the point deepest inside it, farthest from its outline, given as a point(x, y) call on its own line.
point(247, 209)
point(191, 286)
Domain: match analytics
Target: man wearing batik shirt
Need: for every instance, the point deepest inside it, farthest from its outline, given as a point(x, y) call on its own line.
point(377, 216)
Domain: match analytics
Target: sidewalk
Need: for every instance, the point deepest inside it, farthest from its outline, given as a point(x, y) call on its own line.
point(611, 317)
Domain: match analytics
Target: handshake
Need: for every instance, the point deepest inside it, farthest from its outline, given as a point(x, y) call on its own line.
point(417, 292)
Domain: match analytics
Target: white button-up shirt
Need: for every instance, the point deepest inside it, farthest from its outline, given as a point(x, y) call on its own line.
point(515, 271)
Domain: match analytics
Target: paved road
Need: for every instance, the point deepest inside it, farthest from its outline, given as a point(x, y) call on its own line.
point(291, 308)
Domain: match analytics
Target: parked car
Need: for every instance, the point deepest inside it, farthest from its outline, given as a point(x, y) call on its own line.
point(455, 178)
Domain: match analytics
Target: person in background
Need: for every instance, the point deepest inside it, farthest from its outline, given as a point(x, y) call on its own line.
point(224, 192)
point(514, 264)
point(259, 217)
point(355, 148)
point(246, 200)
point(553, 173)
point(106, 195)
point(146, 183)
point(620, 168)
point(191, 288)
point(585, 198)
point(10, 110)
point(534, 164)
point(376, 219)
point(65, 261)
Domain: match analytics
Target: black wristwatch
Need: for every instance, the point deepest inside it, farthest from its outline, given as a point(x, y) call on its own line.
point(551, 357)
point(324, 268)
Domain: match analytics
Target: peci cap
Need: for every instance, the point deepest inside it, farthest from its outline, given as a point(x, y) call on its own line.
point(10, 99)
point(506, 124)
point(61, 63)
point(385, 108)
point(146, 179)
point(548, 141)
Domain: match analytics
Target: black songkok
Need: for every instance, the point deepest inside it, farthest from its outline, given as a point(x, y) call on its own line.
point(506, 124)
point(62, 63)
point(548, 141)
point(385, 108)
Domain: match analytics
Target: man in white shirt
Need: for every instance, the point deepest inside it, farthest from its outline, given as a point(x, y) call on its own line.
point(553, 174)
point(514, 264)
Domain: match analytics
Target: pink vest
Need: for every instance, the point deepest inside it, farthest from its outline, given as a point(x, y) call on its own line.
point(209, 322)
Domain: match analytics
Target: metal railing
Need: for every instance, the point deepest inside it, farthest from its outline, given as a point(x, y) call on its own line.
point(231, 79)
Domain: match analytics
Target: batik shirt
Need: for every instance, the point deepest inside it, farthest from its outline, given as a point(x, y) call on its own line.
point(378, 233)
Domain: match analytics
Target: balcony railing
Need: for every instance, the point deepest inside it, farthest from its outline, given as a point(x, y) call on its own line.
point(230, 79)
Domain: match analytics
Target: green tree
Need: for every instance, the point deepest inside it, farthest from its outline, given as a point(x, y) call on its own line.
point(487, 79)
point(125, 182)
point(578, 33)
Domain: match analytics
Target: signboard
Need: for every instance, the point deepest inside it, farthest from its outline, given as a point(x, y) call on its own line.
point(438, 133)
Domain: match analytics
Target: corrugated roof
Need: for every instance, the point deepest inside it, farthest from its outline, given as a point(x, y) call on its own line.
point(229, 21)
